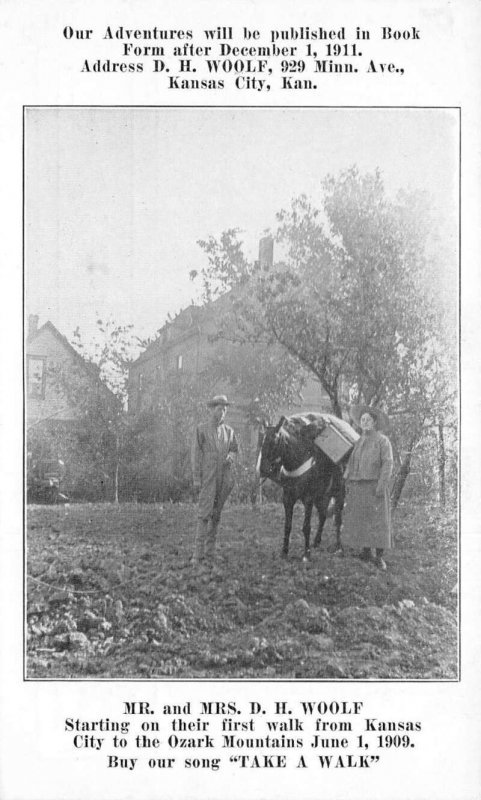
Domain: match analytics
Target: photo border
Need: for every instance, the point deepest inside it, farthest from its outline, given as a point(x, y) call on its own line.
point(245, 681)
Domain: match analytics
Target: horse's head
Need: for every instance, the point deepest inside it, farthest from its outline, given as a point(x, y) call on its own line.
point(271, 440)
point(285, 445)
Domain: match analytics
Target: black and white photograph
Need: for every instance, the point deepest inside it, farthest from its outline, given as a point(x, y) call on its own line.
point(241, 387)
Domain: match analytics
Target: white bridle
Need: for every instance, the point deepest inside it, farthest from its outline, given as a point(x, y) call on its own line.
point(295, 473)
point(284, 473)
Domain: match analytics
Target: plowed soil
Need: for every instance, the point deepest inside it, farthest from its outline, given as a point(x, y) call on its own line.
point(111, 594)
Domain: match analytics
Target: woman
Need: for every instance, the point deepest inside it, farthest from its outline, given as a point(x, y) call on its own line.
point(367, 518)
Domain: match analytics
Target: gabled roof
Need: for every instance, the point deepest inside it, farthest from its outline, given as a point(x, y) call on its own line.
point(187, 323)
point(91, 369)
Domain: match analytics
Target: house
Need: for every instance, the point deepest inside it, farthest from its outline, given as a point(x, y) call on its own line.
point(47, 350)
point(64, 430)
point(187, 345)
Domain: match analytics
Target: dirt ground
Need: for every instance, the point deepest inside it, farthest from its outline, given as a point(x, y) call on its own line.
point(111, 595)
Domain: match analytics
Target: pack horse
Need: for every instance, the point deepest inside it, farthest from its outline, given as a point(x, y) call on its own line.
point(292, 455)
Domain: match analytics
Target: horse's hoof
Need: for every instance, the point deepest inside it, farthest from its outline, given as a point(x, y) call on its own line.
point(317, 543)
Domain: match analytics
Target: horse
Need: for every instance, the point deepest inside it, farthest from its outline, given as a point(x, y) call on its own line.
point(289, 457)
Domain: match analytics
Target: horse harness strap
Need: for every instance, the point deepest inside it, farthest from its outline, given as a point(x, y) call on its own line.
point(296, 473)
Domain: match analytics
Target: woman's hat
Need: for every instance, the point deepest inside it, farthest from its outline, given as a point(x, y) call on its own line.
point(218, 400)
point(380, 416)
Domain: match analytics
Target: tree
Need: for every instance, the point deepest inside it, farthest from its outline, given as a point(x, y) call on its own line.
point(266, 378)
point(96, 387)
point(110, 351)
point(351, 300)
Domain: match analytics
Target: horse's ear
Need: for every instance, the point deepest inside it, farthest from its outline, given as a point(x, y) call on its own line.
point(280, 424)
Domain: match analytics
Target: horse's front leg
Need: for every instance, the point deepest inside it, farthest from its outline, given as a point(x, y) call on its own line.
point(306, 528)
point(322, 504)
point(322, 513)
point(288, 513)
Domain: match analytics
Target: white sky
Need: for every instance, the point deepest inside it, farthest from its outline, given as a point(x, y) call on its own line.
point(116, 198)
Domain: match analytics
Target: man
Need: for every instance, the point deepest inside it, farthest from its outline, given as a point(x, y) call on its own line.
point(213, 452)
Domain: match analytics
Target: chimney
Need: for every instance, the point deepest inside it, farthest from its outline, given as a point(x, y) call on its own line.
point(32, 325)
point(266, 252)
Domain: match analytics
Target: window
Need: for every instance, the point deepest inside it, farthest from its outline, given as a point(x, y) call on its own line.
point(36, 376)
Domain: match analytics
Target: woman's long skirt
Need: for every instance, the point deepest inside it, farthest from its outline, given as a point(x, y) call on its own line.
point(366, 518)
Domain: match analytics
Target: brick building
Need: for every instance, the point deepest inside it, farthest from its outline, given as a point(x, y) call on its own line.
point(188, 344)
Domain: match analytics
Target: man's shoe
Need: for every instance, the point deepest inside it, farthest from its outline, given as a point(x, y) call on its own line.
point(365, 555)
point(380, 563)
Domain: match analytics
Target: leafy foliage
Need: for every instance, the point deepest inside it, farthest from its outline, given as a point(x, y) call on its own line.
point(267, 378)
point(227, 265)
point(93, 446)
point(353, 301)
point(111, 350)
point(158, 465)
